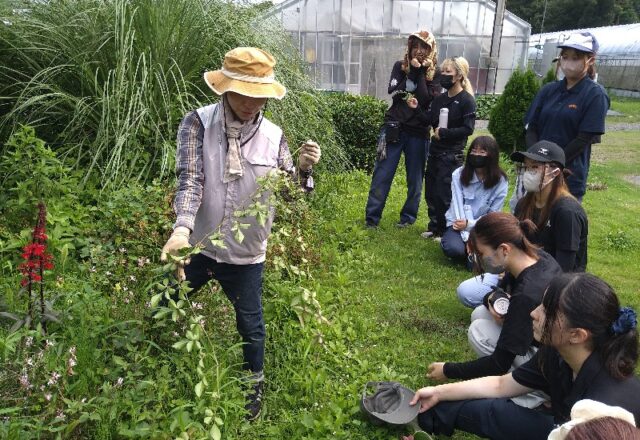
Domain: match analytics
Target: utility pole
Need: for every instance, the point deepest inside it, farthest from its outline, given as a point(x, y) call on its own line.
point(496, 37)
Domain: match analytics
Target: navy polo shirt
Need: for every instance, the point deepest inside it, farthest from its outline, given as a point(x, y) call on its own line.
point(558, 115)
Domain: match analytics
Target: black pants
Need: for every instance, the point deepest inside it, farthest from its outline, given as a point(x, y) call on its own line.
point(497, 419)
point(437, 191)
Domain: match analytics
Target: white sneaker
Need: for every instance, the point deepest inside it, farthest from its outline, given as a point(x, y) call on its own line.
point(427, 234)
point(437, 239)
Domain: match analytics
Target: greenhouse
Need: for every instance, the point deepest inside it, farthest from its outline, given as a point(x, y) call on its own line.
point(350, 45)
point(618, 61)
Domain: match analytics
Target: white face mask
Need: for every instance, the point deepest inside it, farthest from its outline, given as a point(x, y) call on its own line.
point(573, 68)
point(531, 180)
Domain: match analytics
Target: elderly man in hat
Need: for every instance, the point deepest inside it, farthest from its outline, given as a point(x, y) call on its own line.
point(223, 149)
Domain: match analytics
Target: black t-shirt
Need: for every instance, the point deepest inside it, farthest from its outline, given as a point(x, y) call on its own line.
point(460, 125)
point(564, 236)
point(516, 336)
point(424, 93)
point(547, 371)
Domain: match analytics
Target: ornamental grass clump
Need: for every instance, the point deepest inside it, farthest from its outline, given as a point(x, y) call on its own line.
point(37, 260)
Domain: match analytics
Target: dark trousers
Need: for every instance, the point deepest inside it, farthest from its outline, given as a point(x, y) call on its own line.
point(497, 419)
point(437, 188)
point(243, 286)
point(453, 245)
point(415, 149)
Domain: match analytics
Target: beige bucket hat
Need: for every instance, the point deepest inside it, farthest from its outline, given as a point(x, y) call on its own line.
point(247, 71)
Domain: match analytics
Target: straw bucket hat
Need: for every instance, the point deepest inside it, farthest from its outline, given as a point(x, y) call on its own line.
point(247, 71)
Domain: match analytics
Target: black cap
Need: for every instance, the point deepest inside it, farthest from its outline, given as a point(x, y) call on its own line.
point(541, 151)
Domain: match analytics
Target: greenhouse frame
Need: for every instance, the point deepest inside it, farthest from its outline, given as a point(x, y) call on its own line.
point(351, 45)
point(618, 59)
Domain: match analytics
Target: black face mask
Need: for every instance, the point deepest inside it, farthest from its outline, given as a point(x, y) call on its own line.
point(477, 161)
point(446, 81)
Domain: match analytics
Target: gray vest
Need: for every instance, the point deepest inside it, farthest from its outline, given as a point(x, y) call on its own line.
point(220, 200)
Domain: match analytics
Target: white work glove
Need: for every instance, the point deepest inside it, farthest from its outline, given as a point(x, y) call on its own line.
point(178, 240)
point(309, 155)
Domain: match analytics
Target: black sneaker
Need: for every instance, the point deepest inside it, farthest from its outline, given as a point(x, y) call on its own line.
point(403, 224)
point(370, 225)
point(254, 400)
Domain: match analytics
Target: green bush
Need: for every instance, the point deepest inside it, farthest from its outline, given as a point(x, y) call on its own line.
point(506, 122)
point(484, 105)
point(550, 76)
point(107, 82)
point(357, 120)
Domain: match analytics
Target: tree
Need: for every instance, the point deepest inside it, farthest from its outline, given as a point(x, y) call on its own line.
point(506, 122)
point(564, 15)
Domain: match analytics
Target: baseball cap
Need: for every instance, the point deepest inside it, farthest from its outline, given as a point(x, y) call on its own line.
point(541, 151)
point(582, 41)
point(389, 402)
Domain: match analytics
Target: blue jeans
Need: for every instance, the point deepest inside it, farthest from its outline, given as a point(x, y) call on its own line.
point(497, 419)
point(243, 286)
point(453, 245)
point(471, 292)
point(415, 150)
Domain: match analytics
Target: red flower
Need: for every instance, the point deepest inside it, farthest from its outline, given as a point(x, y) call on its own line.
point(35, 256)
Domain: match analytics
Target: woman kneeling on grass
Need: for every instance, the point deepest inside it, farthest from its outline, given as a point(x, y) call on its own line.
point(477, 188)
point(562, 224)
point(504, 339)
point(590, 352)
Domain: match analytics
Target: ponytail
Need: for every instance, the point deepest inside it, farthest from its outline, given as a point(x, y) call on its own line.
point(589, 303)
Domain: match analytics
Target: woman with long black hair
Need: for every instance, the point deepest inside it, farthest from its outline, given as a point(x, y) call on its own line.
point(590, 351)
point(477, 188)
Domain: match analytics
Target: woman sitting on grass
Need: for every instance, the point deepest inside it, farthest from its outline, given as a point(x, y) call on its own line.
point(590, 351)
point(503, 338)
point(562, 225)
point(477, 188)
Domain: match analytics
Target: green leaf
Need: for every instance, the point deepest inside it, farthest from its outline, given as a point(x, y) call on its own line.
point(215, 432)
point(155, 300)
point(199, 388)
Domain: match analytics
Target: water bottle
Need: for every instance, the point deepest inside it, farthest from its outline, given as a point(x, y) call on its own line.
point(444, 118)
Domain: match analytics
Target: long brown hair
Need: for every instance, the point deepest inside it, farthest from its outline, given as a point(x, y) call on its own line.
point(493, 172)
point(429, 40)
point(527, 206)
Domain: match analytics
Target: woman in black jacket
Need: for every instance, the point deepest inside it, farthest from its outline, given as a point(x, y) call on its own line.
point(589, 351)
point(448, 143)
point(402, 131)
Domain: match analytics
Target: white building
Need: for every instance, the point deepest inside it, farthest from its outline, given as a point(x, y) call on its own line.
point(351, 45)
point(618, 59)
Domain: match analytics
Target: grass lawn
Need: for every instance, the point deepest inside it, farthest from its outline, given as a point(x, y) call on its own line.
point(629, 107)
point(391, 295)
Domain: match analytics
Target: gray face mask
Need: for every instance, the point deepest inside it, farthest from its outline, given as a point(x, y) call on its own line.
point(490, 265)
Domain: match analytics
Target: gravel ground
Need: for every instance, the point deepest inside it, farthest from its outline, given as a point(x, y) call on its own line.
point(613, 126)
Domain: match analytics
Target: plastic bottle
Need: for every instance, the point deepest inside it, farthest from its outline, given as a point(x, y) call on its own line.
point(444, 118)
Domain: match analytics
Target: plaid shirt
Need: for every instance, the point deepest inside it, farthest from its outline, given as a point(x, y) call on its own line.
point(189, 169)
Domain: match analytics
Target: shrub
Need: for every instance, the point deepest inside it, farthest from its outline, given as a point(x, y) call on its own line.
point(357, 120)
point(107, 82)
point(550, 76)
point(506, 122)
point(484, 105)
